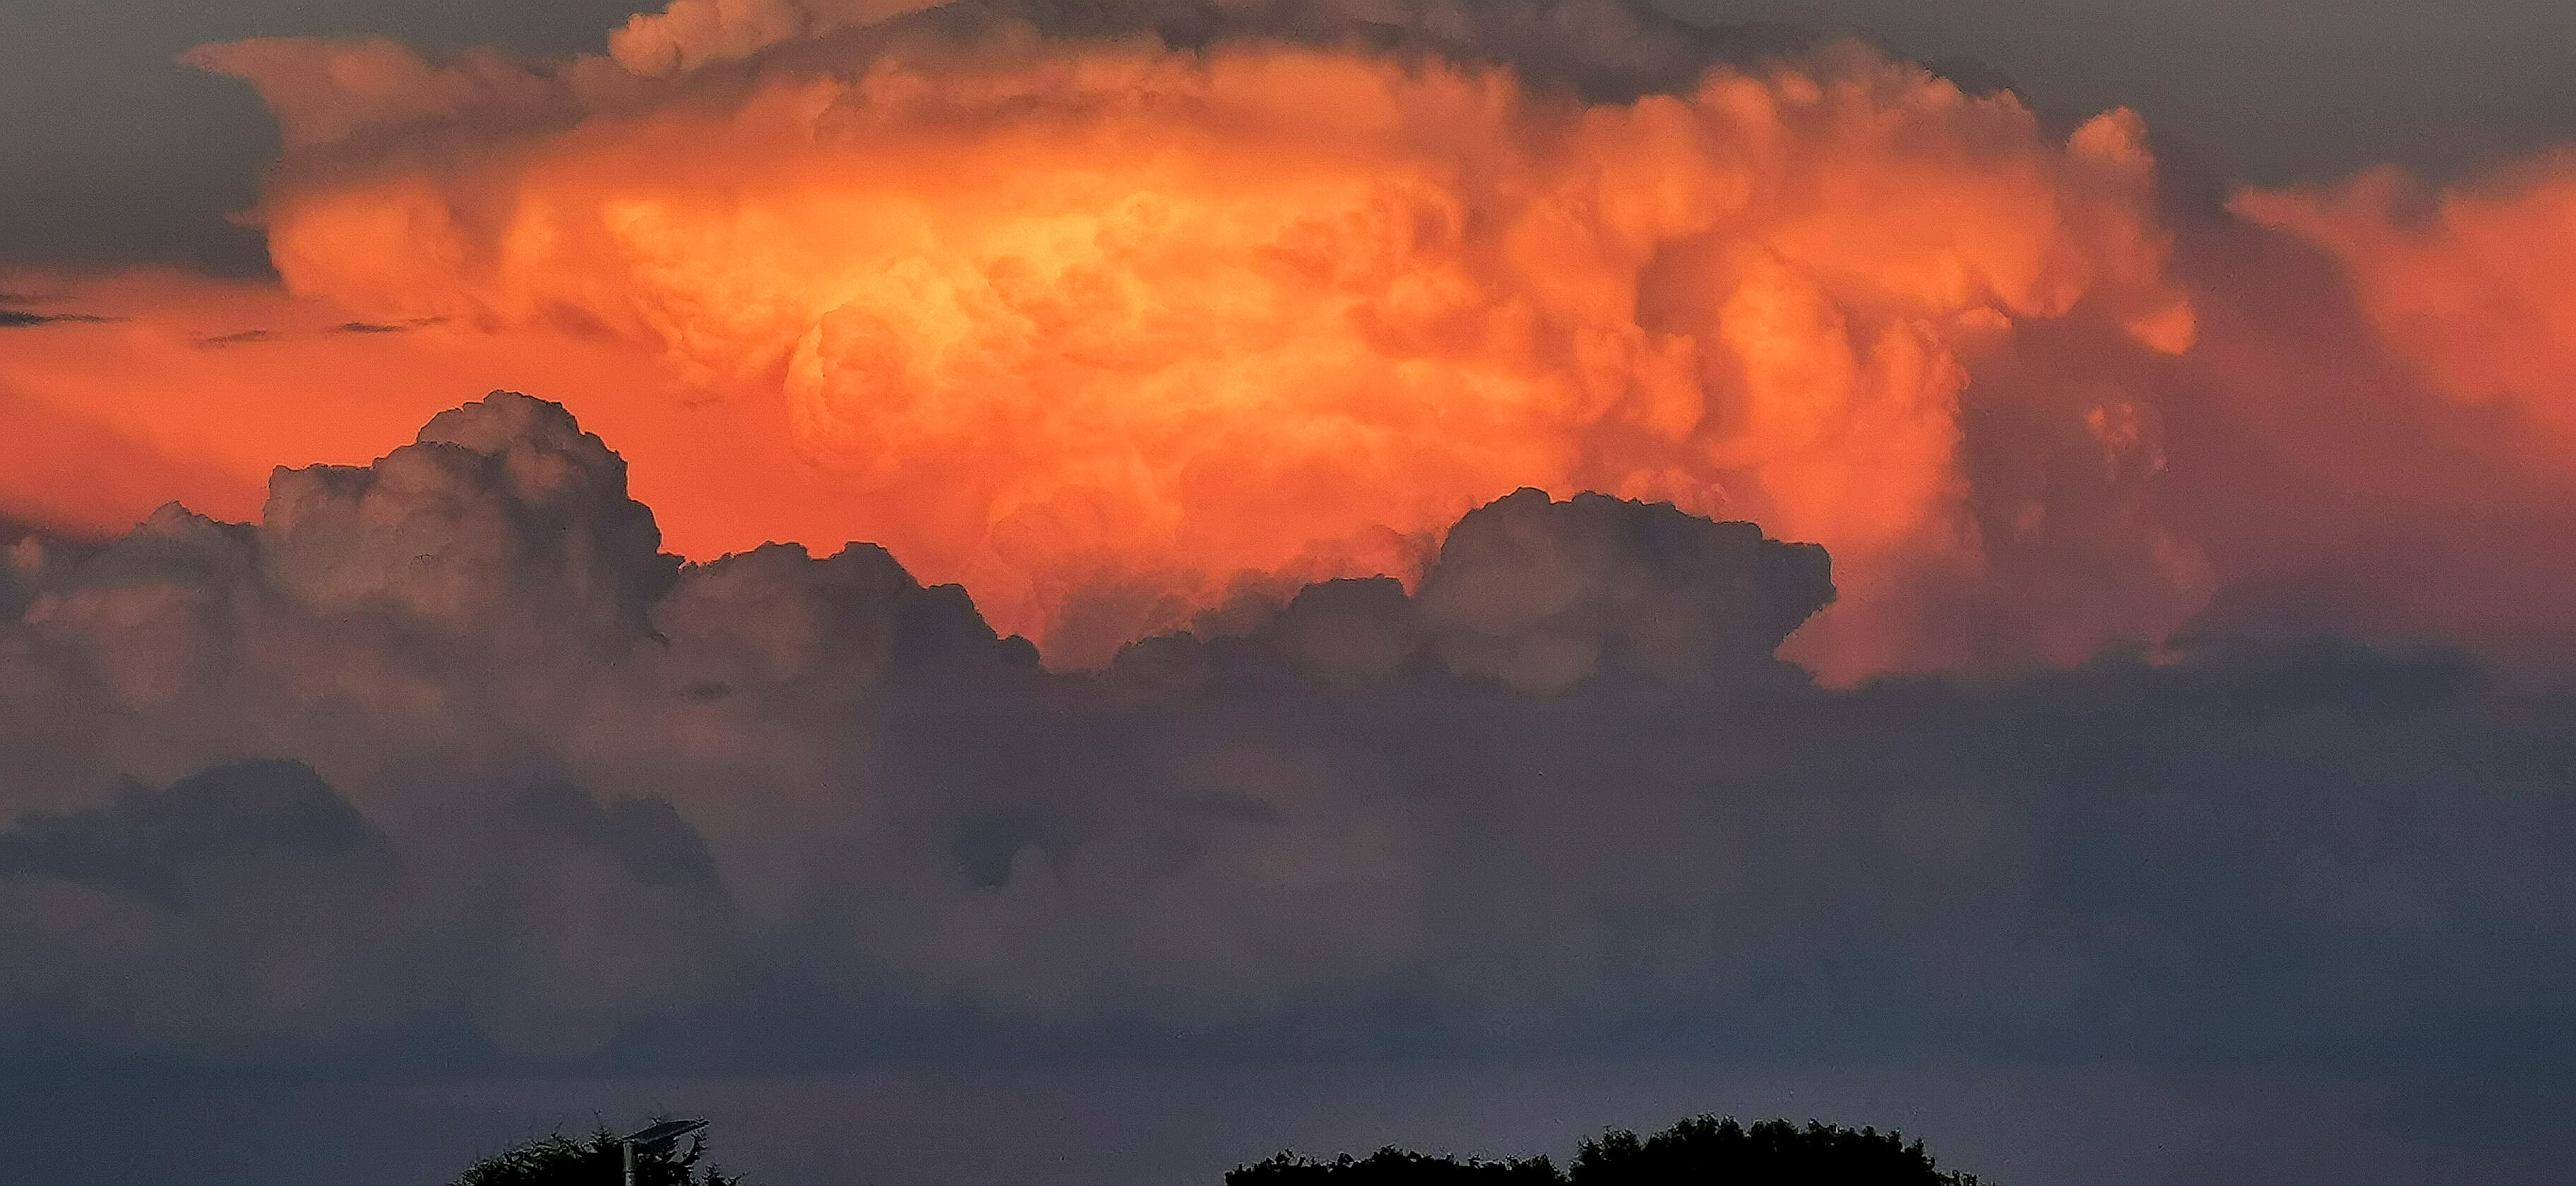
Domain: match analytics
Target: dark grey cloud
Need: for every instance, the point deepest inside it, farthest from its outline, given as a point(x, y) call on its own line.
point(32, 550)
point(1606, 49)
point(247, 337)
point(24, 319)
point(184, 847)
point(1539, 597)
point(115, 154)
point(445, 766)
point(255, 337)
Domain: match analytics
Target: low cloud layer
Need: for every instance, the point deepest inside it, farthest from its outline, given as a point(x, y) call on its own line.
point(443, 762)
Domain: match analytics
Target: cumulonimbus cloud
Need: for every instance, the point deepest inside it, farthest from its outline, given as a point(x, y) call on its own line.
point(1114, 311)
point(1122, 314)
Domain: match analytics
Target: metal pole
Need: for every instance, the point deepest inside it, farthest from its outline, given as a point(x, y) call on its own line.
point(629, 1147)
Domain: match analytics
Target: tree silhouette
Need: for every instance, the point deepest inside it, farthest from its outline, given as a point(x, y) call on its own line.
point(1709, 1149)
point(1394, 1167)
point(1700, 1151)
point(596, 1160)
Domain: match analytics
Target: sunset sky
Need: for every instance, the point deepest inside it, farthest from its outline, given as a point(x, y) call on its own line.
point(1079, 592)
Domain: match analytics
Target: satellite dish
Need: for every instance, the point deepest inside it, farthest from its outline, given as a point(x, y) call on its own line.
point(662, 1136)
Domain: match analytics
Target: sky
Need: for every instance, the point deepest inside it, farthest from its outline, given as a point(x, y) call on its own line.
point(1051, 592)
point(118, 157)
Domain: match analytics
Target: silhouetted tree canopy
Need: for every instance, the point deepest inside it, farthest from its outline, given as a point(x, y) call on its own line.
point(1394, 1167)
point(595, 1160)
point(1702, 1151)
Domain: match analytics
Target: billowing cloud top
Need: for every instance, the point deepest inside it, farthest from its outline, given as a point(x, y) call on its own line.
point(1118, 315)
point(1151, 297)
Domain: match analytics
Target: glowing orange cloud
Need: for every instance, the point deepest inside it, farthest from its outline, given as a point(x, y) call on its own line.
point(2474, 284)
point(1089, 316)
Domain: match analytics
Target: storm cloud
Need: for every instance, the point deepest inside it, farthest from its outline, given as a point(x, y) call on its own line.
point(444, 758)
